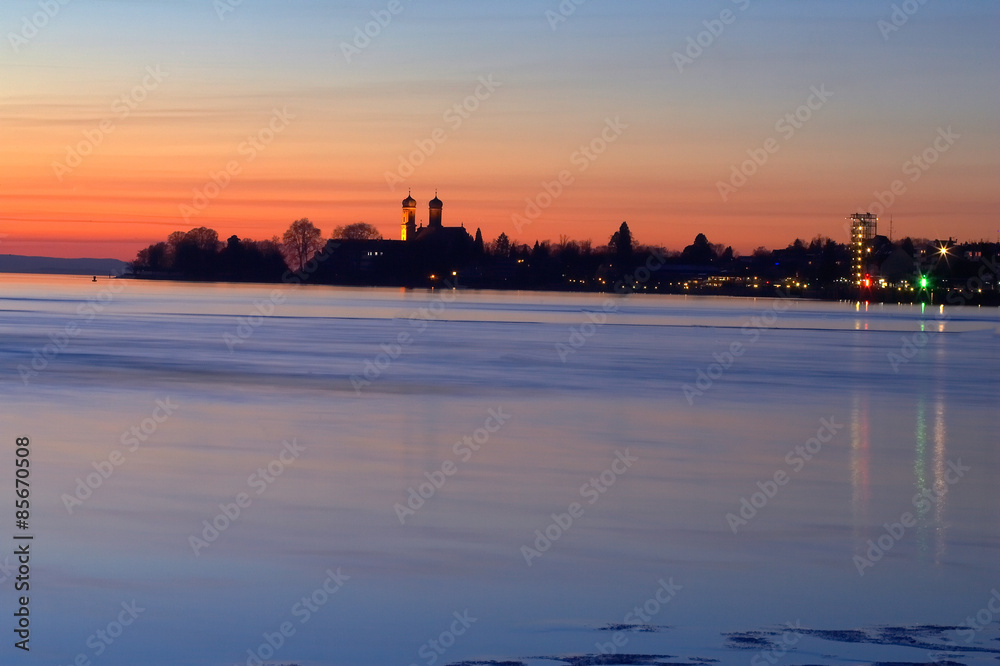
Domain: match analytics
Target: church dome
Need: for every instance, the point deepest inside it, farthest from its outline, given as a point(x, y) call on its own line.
point(409, 202)
point(436, 203)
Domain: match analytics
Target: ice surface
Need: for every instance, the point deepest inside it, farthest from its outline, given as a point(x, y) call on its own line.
point(583, 379)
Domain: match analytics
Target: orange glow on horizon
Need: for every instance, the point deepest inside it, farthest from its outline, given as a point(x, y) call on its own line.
point(295, 133)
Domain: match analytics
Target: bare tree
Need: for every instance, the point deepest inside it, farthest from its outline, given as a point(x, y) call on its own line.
point(300, 243)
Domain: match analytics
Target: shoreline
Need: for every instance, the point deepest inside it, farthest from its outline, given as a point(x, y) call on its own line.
point(937, 297)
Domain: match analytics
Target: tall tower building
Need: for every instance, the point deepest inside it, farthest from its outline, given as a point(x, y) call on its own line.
point(409, 230)
point(863, 229)
point(435, 212)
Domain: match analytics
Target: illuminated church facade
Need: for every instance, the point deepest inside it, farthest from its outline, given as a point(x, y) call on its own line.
point(421, 256)
point(435, 229)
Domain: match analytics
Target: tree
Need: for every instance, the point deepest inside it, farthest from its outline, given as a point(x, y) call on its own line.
point(193, 253)
point(907, 246)
point(175, 239)
point(203, 238)
point(699, 253)
point(621, 242)
point(478, 247)
point(358, 231)
point(501, 246)
point(541, 251)
point(300, 243)
point(153, 258)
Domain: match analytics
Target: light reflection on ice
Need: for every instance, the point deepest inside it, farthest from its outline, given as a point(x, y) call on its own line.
point(622, 389)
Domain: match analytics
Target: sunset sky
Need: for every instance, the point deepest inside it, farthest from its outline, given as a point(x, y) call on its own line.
point(114, 115)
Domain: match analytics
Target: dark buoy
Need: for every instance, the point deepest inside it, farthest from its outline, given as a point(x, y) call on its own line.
point(95, 279)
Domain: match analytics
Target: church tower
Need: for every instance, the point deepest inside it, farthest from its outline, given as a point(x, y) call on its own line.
point(409, 227)
point(435, 212)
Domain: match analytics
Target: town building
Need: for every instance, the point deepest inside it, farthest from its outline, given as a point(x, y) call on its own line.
point(863, 229)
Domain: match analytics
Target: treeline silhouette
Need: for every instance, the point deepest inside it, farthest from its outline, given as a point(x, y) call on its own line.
point(358, 255)
point(199, 255)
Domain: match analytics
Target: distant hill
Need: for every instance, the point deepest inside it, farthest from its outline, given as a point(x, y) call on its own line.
point(13, 263)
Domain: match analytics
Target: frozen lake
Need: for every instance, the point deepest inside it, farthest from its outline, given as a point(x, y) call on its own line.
point(453, 477)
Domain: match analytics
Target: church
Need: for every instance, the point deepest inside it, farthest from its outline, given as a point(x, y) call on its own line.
point(435, 231)
point(422, 255)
